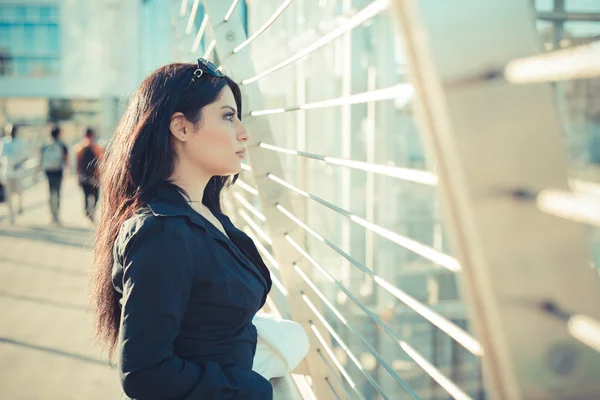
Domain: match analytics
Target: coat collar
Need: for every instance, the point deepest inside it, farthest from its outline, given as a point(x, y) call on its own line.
point(168, 201)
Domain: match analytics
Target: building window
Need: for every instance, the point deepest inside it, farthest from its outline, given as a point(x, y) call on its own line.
point(29, 40)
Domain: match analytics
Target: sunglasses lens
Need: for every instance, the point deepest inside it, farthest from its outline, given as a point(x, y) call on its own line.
point(210, 67)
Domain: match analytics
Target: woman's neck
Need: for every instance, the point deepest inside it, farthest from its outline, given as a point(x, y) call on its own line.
point(193, 188)
point(189, 180)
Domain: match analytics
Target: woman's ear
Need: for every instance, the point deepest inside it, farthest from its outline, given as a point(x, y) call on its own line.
point(178, 127)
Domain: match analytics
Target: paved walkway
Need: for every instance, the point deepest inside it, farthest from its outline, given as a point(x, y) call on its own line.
point(46, 346)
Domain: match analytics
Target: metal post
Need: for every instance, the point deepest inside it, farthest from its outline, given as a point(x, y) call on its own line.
point(490, 138)
point(346, 149)
point(558, 24)
point(239, 65)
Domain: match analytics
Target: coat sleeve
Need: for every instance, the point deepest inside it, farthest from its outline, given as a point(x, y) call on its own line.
point(158, 276)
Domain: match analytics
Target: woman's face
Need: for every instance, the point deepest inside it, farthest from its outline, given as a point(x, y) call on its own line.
point(217, 144)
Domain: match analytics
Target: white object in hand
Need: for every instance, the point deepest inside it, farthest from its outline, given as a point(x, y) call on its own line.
point(282, 345)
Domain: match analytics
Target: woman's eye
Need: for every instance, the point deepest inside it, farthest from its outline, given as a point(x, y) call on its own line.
point(229, 117)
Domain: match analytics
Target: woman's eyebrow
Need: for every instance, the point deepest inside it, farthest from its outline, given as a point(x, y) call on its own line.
point(231, 108)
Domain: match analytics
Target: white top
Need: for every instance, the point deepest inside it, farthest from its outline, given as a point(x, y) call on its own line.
point(13, 153)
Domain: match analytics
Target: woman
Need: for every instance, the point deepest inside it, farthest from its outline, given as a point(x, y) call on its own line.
point(175, 285)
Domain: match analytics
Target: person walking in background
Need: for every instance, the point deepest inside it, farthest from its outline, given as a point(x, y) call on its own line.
point(54, 157)
point(88, 153)
point(13, 154)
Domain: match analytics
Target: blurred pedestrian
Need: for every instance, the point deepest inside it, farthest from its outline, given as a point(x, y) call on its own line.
point(88, 153)
point(54, 157)
point(13, 154)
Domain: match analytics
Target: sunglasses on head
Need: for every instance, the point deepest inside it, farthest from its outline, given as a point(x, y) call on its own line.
point(205, 66)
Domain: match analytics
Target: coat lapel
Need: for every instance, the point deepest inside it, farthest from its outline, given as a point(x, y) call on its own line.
point(169, 202)
point(245, 245)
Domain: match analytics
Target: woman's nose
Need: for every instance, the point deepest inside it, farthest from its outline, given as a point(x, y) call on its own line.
point(243, 135)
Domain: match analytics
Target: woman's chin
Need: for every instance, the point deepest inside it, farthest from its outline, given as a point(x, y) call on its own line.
point(235, 169)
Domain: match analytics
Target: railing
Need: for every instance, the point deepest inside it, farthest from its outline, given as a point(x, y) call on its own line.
point(516, 264)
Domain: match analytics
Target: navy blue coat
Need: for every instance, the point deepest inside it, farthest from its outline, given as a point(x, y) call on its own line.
point(188, 296)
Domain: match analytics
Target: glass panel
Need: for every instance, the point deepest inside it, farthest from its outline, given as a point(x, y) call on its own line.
point(33, 14)
point(54, 13)
point(29, 39)
point(17, 42)
point(582, 28)
point(54, 66)
point(577, 103)
point(40, 41)
point(543, 27)
point(53, 40)
point(9, 13)
point(21, 67)
point(48, 14)
point(582, 5)
point(4, 37)
point(45, 13)
point(544, 5)
point(21, 13)
point(383, 133)
point(39, 67)
point(5, 66)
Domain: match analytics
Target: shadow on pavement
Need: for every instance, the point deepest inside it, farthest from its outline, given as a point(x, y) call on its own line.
point(62, 229)
point(26, 209)
point(56, 352)
point(51, 268)
point(46, 302)
point(77, 237)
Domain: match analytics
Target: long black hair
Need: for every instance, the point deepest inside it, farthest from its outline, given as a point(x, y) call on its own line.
point(141, 158)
